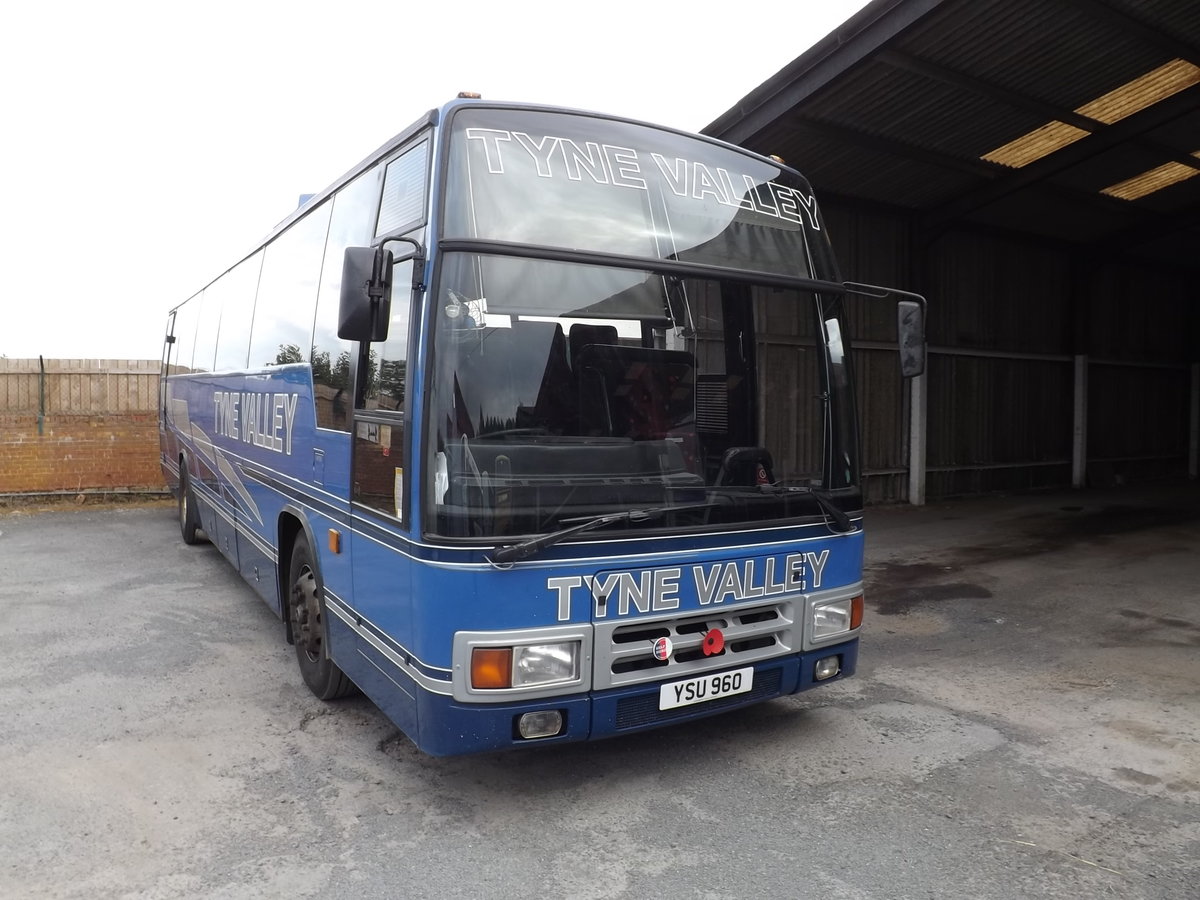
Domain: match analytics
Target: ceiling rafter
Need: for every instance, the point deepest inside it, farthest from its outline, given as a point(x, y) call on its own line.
point(893, 147)
point(972, 167)
point(1018, 100)
point(1124, 131)
point(1125, 22)
point(888, 32)
point(1015, 99)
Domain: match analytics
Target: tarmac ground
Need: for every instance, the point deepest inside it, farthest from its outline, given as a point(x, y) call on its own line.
point(1025, 722)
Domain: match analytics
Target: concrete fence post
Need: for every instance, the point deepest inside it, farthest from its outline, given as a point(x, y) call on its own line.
point(1079, 435)
point(1194, 441)
point(918, 414)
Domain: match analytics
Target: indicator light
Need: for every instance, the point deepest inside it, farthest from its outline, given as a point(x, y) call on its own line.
point(491, 667)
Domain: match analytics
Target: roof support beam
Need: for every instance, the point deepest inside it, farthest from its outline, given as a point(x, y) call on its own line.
point(1085, 148)
point(1017, 100)
point(900, 149)
point(976, 168)
point(1123, 21)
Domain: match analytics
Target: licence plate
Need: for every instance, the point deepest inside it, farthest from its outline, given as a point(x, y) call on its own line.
point(705, 688)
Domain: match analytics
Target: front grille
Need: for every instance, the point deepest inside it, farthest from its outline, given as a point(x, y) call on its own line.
point(635, 712)
point(625, 650)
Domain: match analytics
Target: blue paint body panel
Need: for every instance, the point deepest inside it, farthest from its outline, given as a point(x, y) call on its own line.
point(448, 728)
point(402, 602)
point(398, 603)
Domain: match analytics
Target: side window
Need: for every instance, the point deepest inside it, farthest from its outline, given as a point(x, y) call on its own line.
point(351, 225)
point(380, 422)
point(208, 322)
point(287, 292)
point(389, 360)
point(233, 293)
point(404, 190)
point(185, 334)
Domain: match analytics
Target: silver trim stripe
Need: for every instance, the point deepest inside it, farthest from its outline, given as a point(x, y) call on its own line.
point(393, 655)
point(217, 506)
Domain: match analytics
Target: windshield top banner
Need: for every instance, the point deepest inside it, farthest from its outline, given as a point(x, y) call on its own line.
point(553, 156)
point(584, 183)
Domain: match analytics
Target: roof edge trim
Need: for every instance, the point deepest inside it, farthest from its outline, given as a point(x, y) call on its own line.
point(862, 35)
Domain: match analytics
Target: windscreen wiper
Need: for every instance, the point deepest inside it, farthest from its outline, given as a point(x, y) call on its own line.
point(840, 519)
point(525, 549)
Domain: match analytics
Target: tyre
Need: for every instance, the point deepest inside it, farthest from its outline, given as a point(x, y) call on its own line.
point(307, 613)
point(189, 516)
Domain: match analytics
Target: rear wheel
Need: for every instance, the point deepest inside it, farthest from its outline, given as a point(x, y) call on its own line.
point(189, 517)
point(307, 613)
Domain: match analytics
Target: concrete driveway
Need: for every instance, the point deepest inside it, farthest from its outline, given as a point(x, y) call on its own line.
point(1025, 723)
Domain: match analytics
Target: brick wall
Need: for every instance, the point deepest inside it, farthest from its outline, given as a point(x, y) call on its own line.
point(99, 431)
point(79, 453)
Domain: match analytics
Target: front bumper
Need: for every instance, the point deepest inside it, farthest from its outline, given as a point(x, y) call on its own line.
point(448, 727)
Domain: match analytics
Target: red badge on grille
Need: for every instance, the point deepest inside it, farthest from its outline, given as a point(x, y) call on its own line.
point(714, 642)
point(662, 648)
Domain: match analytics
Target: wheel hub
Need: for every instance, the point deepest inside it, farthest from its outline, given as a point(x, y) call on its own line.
point(306, 613)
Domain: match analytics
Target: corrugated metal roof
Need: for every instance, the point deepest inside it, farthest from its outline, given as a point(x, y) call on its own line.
point(901, 104)
point(909, 107)
point(1047, 49)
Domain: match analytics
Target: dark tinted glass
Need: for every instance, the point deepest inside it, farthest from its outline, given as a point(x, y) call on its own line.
point(698, 393)
point(352, 224)
point(287, 292)
point(403, 201)
point(595, 184)
point(234, 293)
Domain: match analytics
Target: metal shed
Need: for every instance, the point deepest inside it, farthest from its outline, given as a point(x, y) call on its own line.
point(1030, 166)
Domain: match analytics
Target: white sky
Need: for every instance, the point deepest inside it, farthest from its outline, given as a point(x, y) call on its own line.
point(147, 145)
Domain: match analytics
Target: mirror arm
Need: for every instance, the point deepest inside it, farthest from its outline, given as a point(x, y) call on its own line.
point(418, 259)
point(378, 286)
point(910, 325)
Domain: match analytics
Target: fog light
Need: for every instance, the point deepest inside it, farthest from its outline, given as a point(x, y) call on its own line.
point(546, 723)
point(827, 667)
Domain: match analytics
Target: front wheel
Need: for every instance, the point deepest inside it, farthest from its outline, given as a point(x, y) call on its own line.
point(189, 516)
point(307, 613)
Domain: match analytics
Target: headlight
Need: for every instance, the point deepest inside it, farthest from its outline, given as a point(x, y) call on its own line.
point(836, 617)
point(545, 663)
point(524, 665)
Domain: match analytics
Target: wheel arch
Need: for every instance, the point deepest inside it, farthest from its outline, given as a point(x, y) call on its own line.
point(182, 472)
point(292, 521)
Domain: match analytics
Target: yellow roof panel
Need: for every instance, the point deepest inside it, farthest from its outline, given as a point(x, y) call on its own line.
point(1131, 97)
point(1136, 95)
point(1036, 144)
point(1154, 180)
